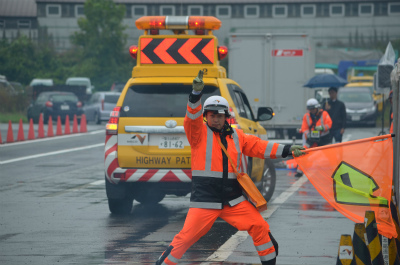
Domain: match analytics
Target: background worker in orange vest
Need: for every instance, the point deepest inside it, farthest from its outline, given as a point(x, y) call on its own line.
point(315, 127)
point(215, 189)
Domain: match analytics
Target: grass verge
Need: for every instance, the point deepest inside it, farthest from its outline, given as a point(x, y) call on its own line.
point(13, 117)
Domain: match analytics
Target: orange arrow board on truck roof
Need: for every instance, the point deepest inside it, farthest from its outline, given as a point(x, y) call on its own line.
point(177, 51)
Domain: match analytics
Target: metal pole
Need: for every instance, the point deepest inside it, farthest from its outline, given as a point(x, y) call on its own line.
point(394, 77)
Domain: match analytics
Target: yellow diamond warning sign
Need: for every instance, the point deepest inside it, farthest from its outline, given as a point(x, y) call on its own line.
point(354, 187)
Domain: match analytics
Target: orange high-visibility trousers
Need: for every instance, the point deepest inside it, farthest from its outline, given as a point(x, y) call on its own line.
point(242, 216)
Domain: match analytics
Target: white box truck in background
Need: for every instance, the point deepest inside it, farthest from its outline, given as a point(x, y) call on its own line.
point(272, 69)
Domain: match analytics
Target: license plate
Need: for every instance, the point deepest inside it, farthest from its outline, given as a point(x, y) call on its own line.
point(171, 142)
point(355, 117)
point(64, 107)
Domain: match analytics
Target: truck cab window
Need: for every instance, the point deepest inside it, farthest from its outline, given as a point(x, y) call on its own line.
point(241, 102)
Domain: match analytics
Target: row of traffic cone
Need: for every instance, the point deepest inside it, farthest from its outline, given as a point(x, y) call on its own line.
point(50, 132)
point(368, 247)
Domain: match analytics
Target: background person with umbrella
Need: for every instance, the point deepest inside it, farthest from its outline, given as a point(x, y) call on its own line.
point(337, 111)
point(326, 80)
point(334, 107)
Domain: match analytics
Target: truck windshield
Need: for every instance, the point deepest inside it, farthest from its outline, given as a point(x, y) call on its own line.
point(165, 100)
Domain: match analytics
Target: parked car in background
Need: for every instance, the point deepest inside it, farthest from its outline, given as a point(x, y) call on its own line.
point(6, 88)
point(322, 95)
point(18, 87)
point(81, 81)
point(368, 82)
point(360, 105)
point(55, 104)
point(43, 82)
point(100, 105)
point(117, 86)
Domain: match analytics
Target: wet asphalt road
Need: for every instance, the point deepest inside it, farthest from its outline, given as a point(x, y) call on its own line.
point(54, 211)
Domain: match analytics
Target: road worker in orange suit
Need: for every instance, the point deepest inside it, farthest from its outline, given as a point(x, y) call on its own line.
point(315, 127)
point(215, 189)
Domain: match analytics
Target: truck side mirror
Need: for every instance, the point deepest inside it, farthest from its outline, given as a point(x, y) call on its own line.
point(265, 113)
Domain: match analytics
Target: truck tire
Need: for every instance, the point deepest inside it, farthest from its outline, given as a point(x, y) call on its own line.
point(149, 197)
point(119, 199)
point(268, 180)
point(120, 206)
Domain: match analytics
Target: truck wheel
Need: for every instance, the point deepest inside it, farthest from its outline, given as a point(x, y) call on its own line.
point(149, 197)
point(268, 181)
point(120, 206)
point(119, 199)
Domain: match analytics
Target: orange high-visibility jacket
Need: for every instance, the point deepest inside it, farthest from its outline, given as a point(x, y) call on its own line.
point(324, 120)
point(214, 182)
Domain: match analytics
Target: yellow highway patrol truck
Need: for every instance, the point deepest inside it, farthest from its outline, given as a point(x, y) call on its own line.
point(147, 154)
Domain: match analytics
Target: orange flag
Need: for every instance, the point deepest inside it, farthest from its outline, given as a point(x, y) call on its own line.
point(355, 177)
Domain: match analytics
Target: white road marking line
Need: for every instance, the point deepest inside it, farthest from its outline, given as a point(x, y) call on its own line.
point(50, 153)
point(55, 137)
point(227, 249)
point(99, 182)
point(347, 138)
point(95, 183)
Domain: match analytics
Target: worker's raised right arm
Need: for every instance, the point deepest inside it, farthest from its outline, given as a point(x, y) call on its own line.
point(193, 121)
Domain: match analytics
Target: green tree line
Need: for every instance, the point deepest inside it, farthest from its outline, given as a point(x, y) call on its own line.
point(98, 51)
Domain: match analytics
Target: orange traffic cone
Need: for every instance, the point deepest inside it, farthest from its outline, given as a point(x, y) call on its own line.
point(50, 132)
point(59, 129)
point(83, 124)
point(67, 129)
point(20, 136)
point(31, 132)
point(75, 125)
point(41, 127)
point(10, 135)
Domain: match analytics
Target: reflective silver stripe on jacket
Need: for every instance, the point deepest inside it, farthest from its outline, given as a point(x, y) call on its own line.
point(237, 201)
point(172, 258)
point(279, 151)
point(194, 116)
point(268, 257)
point(235, 137)
point(194, 105)
point(209, 150)
point(308, 120)
point(206, 205)
point(268, 150)
point(207, 168)
point(264, 246)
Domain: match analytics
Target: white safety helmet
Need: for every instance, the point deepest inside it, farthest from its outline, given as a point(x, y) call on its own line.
point(312, 103)
point(217, 104)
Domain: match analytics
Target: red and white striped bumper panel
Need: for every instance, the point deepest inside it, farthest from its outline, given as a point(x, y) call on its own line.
point(138, 175)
